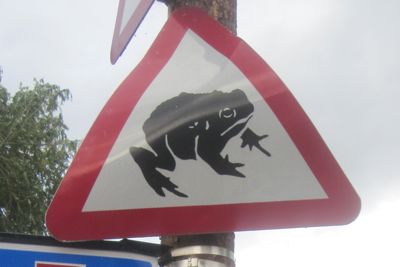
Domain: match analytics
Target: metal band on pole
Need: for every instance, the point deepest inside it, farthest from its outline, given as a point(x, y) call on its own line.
point(198, 256)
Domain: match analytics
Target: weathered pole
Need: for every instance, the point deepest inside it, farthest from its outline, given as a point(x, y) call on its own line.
point(224, 11)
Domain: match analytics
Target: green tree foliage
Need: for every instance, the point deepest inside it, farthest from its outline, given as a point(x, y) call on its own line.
point(34, 154)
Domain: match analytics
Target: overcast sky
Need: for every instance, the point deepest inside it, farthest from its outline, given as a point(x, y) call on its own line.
point(339, 58)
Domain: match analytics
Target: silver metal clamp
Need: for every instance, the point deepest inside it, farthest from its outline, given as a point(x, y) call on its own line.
point(198, 256)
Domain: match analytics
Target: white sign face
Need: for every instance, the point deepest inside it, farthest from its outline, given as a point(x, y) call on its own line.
point(197, 68)
point(129, 8)
point(130, 15)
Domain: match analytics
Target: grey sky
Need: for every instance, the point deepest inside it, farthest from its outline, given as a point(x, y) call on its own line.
point(339, 58)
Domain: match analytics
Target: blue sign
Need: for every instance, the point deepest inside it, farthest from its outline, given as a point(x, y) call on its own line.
point(25, 258)
point(36, 251)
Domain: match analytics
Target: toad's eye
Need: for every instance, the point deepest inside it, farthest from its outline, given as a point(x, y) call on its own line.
point(227, 113)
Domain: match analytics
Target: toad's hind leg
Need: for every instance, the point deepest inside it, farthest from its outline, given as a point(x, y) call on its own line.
point(148, 162)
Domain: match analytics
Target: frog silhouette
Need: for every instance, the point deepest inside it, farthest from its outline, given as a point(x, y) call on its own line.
point(194, 125)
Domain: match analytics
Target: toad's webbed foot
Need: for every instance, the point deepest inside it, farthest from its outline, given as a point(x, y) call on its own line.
point(147, 163)
point(230, 167)
point(219, 164)
point(249, 138)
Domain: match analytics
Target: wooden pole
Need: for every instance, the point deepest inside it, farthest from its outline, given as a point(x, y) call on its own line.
point(224, 11)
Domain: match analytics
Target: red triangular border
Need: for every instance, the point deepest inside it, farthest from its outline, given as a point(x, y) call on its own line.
point(66, 221)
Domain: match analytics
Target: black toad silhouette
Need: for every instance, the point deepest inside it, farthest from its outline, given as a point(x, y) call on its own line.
point(194, 124)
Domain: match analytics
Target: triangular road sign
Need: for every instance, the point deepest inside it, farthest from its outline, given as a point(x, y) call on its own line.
point(130, 15)
point(201, 137)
